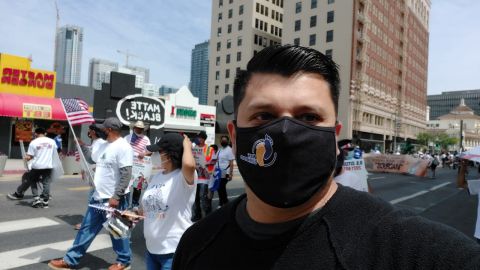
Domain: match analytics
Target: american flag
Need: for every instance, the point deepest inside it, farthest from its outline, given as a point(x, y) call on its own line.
point(77, 156)
point(77, 111)
point(138, 143)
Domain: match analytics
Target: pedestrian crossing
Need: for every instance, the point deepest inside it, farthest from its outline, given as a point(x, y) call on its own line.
point(44, 252)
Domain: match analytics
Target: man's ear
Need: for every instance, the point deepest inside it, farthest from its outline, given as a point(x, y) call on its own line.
point(338, 128)
point(233, 135)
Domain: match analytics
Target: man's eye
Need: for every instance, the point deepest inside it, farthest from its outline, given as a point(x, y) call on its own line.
point(309, 118)
point(264, 117)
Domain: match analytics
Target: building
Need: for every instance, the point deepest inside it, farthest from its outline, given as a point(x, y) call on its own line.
point(445, 102)
point(199, 72)
point(381, 48)
point(150, 90)
point(99, 72)
point(68, 54)
point(141, 74)
point(451, 124)
point(165, 90)
point(239, 29)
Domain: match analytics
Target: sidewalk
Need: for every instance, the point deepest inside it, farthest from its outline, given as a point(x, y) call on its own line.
point(14, 167)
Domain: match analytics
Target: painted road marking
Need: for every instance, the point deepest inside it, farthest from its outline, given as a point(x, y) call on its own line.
point(79, 188)
point(25, 224)
point(373, 178)
point(230, 197)
point(401, 199)
point(41, 253)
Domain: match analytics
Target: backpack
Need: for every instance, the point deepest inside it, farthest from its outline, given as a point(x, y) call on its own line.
point(435, 162)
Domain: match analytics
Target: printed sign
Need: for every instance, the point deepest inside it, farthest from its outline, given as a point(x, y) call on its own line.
point(38, 111)
point(141, 171)
point(396, 164)
point(137, 107)
point(207, 120)
point(23, 131)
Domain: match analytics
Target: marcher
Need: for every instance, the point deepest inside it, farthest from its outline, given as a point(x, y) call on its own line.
point(225, 160)
point(112, 175)
point(138, 140)
point(347, 178)
point(41, 152)
point(433, 164)
point(168, 199)
point(294, 216)
point(204, 163)
point(58, 142)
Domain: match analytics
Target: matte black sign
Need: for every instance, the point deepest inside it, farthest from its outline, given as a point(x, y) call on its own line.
point(147, 109)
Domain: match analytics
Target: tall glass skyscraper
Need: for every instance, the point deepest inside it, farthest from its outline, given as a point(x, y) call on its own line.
point(199, 72)
point(68, 54)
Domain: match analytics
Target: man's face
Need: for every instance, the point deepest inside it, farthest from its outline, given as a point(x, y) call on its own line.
point(201, 140)
point(305, 97)
point(138, 130)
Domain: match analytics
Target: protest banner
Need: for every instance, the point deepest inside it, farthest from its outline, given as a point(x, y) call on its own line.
point(403, 164)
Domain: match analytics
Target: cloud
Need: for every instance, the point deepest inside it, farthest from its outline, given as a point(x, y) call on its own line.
point(161, 33)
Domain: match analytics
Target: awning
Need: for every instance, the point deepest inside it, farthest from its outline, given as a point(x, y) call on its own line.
point(31, 107)
point(184, 128)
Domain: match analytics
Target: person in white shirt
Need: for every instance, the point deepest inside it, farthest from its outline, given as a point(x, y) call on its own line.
point(347, 178)
point(168, 199)
point(40, 153)
point(113, 171)
point(225, 163)
point(138, 140)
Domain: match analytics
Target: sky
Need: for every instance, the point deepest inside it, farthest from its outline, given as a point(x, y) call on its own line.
point(162, 33)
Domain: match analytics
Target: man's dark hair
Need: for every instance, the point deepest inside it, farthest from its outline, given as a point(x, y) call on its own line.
point(40, 130)
point(288, 60)
point(175, 156)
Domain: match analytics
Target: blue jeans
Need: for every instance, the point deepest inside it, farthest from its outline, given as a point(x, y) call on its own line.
point(91, 226)
point(158, 261)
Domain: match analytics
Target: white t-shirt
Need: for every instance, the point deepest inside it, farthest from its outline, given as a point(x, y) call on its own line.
point(109, 158)
point(349, 179)
point(42, 149)
point(167, 206)
point(225, 155)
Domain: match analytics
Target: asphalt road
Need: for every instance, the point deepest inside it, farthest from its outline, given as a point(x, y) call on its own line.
point(30, 237)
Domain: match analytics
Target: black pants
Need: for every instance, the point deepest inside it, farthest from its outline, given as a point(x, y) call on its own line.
point(26, 184)
point(222, 192)
point(203, 204)
point(136, 197)
point(32, 178)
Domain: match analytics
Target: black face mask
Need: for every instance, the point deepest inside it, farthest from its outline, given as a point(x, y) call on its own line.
point(286, 162)
point(103, 135)
point(224, 144)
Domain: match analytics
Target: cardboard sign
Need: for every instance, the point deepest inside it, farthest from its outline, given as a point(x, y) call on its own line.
point(141, 171)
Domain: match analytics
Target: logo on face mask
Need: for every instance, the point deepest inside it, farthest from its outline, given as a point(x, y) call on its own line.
point(263, 154)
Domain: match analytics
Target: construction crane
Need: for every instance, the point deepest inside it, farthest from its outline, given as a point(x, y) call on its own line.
point(127, 55)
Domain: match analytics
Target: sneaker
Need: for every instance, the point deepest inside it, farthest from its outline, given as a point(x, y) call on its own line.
point(119, 266)
point(14, 196)
point(39, 203)
point(59, 264)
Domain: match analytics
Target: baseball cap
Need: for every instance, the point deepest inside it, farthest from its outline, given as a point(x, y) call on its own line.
point(111, 122)
point(169, 142)
point(345, 144)
point(202, 135)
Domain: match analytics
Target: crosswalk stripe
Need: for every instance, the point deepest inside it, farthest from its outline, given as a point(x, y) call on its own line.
point(25, 224)
point(37, 254)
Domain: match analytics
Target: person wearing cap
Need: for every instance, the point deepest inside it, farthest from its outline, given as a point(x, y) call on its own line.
point(348, 178)
point(41, 153)
point(167, 201)
point(138, 141)
point(113, 159)
point(204, 160)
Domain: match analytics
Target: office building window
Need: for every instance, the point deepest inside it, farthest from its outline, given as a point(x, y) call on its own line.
point(296, 41)
point(216, 102)
point(220, 3)
point(219, 46)
point(313, 21)
point(227, 73)
point(230, 1)
point(329, 35)
point(227, 88)
point(240, 10)
point(237, 70)
point(266, 11)
point(229, 43)
point(256, 23)
point(239, 56)
point(257, 8)
point(230, 13)
point(229, 28)
point(219, 16)
point(298, 7)
point(216, 89)
point(240, 25)
point(298, 25)
point(219, 31)
point(313, 39)
point(255, 39)
point(329, 53)
point(331, 1)
point(313, 4)
point(280, 32)
point(330, 16)
point(239, 41)
point(217, 61)
point(227, 60)
point(217, 75)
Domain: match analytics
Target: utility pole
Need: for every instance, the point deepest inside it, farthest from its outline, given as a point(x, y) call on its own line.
point(461, 135)
point(127, 56)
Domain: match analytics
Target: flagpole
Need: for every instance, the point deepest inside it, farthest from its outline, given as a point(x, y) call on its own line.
point(82, 157)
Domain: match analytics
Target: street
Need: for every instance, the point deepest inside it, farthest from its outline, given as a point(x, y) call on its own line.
point(30, 237)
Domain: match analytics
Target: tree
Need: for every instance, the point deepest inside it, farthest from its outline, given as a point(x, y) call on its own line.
point(445, 141)
point(424, 138)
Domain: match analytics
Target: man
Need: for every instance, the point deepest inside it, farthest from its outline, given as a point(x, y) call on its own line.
point(112, 176)
point(294, 216)
point(204, 162)
point(348, 178)
point(225, 163)
point(138, 141)
point(41, 153)
point(58, 142)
